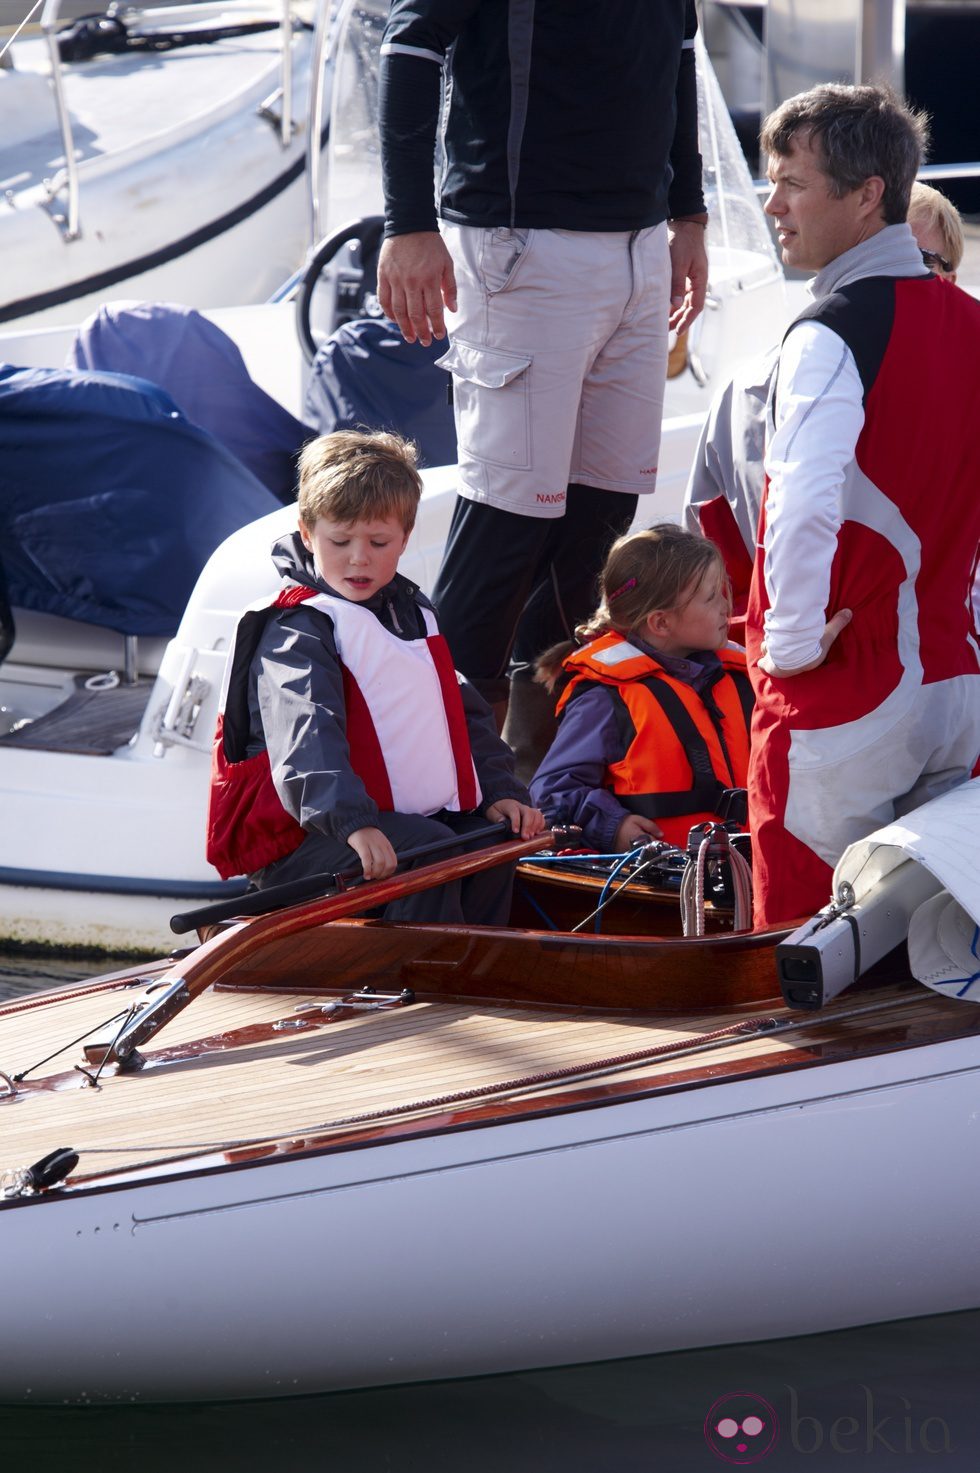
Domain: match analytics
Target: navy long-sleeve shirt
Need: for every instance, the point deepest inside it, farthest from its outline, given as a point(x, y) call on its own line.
point(561, 114)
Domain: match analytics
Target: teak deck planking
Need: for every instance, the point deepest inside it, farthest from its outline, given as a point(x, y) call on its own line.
point(249, 1084)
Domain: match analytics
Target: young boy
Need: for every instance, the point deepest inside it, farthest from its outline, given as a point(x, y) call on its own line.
point(346, 731)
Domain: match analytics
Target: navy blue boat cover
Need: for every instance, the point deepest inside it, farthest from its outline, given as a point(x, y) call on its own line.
point(111, 501)
point(367, 376)
point(203, 370)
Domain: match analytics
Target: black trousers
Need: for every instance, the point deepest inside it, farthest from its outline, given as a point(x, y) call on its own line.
point(511, 586)
point(482, 899)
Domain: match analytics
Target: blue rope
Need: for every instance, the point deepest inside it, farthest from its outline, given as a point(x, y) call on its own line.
point(526, 895)
point(605, 889)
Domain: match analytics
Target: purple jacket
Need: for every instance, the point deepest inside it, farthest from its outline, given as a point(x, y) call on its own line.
point(571, 785)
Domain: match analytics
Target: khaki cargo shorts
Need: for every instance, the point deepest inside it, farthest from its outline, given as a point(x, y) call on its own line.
point(559, 361)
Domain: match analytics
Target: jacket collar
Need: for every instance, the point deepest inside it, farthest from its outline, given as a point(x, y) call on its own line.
point(891, 252)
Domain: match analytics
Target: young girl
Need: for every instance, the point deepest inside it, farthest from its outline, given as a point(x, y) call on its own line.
point(653, 709)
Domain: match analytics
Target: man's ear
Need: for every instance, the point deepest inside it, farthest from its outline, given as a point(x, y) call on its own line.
point(304, 533)
point(872, 192)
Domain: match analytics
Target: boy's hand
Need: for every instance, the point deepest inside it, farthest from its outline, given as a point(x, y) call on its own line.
point(526, 821)
point(636, 827)
point(374, 850)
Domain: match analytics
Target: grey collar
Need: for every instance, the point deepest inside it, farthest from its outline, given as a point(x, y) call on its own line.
point(890, 252)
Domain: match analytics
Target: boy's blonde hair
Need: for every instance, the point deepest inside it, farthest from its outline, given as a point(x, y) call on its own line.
point(660, 568)
point(358, 476)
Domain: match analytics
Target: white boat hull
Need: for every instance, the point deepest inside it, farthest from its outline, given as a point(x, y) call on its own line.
point(779, 1206)
point(206, 205)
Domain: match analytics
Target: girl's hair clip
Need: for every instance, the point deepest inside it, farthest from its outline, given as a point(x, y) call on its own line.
point(623, 588)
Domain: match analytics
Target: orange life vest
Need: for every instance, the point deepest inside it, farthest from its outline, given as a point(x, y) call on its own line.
point(682, 753)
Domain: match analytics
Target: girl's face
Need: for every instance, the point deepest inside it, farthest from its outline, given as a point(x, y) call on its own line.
point(699, 622)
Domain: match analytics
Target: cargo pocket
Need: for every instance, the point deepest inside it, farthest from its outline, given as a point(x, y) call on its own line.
point(490, 393)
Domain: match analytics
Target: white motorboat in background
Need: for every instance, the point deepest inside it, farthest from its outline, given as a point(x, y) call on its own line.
point(168, 159)
point(100, 844)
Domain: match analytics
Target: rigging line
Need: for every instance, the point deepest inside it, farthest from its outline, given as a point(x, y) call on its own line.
point(11, 39)
point(746, 1032)
point(65, 1047)
point(134, 1009)
point(635, 874)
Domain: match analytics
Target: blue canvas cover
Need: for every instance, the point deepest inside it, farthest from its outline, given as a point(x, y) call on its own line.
point(203, 371)
point(366, 376)
point(111, 501)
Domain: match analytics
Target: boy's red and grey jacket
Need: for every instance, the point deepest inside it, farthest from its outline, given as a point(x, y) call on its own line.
point(300, 749)
point(682, 750)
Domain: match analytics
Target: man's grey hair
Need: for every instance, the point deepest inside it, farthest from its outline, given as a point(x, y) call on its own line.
point(860, 132)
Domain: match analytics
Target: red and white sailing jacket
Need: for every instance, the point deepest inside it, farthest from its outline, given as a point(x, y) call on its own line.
point(405, 724)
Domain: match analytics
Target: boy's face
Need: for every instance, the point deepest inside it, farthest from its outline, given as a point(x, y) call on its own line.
point(356, 558)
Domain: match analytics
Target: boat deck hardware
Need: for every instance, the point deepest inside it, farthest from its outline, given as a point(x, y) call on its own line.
point(834, 948)
point(365, 1000)
point(28, 1181)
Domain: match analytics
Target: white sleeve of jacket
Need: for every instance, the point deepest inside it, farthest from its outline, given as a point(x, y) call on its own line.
point(819, 417)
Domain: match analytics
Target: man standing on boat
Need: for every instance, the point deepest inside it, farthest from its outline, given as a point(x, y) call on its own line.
point(572, 232)
point(860, 634)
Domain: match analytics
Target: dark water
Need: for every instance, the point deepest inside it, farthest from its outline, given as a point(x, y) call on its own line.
point(904, 1395)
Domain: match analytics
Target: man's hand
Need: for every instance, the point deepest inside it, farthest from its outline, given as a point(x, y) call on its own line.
point(374, 850)
point(832, 628)
point(633, 828)
point(415, 279)
point(688, 272)
point(525, 821)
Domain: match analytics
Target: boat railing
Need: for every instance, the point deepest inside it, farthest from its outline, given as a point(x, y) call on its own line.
point(329, 29)
point(67, 178)
point(928, 173)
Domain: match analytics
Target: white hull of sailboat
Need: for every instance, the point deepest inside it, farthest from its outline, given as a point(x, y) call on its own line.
point(785, 1205)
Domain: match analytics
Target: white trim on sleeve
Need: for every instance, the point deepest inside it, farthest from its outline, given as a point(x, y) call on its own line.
point(819, 417)
point(392, 48)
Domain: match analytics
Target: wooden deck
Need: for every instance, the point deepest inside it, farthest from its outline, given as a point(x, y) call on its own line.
point(222, 1077)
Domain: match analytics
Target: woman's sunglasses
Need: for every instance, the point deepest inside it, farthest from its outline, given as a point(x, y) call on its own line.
point(932, 258)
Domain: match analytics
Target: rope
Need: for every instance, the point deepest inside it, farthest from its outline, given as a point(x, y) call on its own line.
point(126, 1014)
point(715, 844)
point(633, 875)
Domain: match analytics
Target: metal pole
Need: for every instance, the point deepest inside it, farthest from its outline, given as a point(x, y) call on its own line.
point(882, 50)
point(49, 22)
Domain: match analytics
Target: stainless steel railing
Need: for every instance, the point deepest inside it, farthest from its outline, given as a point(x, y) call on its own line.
point(928, 172)
point(67, 178)
point(328, 32)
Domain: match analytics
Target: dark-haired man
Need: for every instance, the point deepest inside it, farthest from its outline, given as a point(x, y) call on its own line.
point(859, 628)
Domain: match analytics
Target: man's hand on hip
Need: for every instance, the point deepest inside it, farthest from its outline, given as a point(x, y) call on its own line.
point(832, 628)
point(415, 279)
point(688, 272)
